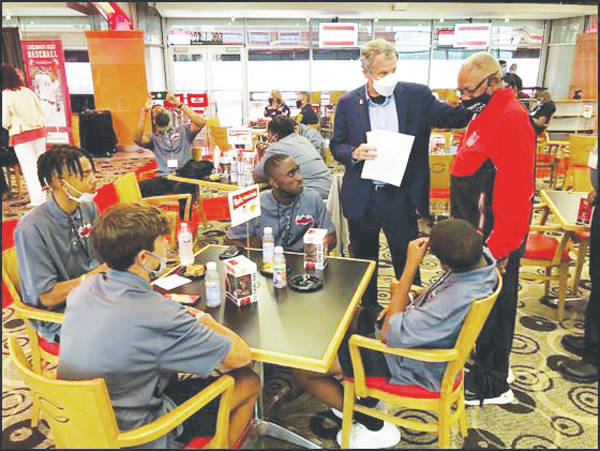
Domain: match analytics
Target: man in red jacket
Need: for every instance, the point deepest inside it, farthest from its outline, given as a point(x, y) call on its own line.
point(492, 187)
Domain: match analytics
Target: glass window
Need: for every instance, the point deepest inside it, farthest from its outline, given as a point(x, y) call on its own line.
point(155, 73)
point(446, 59)
point(412, 41)
point(338, 69)
point(278, 58)
point(519, 42)
point(565, 31)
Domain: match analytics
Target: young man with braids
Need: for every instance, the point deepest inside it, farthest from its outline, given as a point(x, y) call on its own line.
point(52, 240)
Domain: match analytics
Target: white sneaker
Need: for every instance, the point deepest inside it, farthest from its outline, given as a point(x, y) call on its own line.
point(361, 437)
point(511, 377)
point(337, 413)
point(505, 398)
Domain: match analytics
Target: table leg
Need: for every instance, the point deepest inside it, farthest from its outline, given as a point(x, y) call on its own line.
point(263, 428)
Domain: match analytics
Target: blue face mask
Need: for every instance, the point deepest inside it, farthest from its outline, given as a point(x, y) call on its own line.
point(161, 267)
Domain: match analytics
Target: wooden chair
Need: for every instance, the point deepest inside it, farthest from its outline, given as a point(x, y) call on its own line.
point(548, 155)
point(578, 172)
point(452, 388)
point(41, 350)
point(10, 276)
point(80, 413)
point(548, 252)
point(439, 190)
point(128, 191)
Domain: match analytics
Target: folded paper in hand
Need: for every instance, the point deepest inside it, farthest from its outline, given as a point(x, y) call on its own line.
point(393, 151)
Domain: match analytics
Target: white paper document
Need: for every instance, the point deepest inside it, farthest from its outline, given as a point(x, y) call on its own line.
point(393, 151)
point(172, 281)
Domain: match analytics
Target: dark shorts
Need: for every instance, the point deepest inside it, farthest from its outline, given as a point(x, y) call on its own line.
point(202, 423)
point(373, 361)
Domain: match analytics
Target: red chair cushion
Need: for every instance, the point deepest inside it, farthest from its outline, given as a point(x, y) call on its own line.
point(439, 193)
point(216, 208)
point(582, 235)
point(198, 443)
point(48, 346)
point(543, 247)
point(408, 391)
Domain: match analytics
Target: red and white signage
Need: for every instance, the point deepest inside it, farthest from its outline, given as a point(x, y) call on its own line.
point(241, 135)
point(45, 70)
point(472, 35)
point(244, 204)
point(338, 35)
point(197, 102)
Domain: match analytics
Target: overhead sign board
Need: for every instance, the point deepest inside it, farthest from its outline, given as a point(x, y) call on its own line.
point(472, 35)
point(338, 35)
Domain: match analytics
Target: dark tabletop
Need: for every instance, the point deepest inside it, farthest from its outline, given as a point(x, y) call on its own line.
point(302, 330)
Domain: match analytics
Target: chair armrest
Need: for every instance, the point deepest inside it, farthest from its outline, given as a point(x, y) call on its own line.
point(207, 184)
point(545, 228)
point(175, 417)
point(29, 312)
point(142, 175)
point(172, 198)
point(424, 354)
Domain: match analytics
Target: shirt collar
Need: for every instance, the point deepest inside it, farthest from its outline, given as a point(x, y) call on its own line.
point(372, 104)
point(128, 278)
point(55, 211)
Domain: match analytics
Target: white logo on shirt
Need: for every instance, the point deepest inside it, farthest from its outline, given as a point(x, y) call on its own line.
point(471, 140)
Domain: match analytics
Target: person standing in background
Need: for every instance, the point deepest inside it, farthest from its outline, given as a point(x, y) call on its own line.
point(276, 105)
point(23, 117)
point(308, 115)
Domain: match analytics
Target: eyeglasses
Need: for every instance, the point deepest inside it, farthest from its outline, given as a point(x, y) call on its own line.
point(461, 91)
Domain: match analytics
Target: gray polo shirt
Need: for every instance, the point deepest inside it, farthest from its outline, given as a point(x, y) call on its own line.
point(53, 247)
point(312, 167)
point(173, 149)
point(289, 222)
point(314, 137)
point(434, 320)
point(118, 328)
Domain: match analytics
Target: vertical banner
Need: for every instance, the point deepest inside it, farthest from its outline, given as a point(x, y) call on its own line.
point(44, 63)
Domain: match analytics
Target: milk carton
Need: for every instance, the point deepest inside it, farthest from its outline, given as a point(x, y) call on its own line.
point(315, 249)
point(241, 284)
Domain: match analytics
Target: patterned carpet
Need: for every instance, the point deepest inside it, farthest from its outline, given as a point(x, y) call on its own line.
point(549, 411)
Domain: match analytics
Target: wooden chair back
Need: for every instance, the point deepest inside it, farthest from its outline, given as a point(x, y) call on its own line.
point(128, 189)
point(580, 147)
point(79, 413)
point(439, 171)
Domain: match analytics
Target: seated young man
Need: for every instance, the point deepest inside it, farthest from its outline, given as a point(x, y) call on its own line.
point(171, 145)
point(288, 208)
point(432, 320)
point(118, 328)
point(285, 140)
point(52, 240)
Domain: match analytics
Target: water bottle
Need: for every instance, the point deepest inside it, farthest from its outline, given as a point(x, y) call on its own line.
point(268, 245)
point(248, 179)
point(233, 171)
point(213, 285)
point(217, 160)
point(279, 272)
point(186, 245)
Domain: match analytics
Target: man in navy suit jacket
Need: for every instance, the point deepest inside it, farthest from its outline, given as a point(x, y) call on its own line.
point(386, 104)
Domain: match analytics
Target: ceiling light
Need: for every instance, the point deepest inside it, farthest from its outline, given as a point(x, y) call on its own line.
point(506, 19)
point(403, 6)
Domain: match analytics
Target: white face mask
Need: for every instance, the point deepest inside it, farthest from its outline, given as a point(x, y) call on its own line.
point(158, 271)
point(385, 86)
point(83, 197)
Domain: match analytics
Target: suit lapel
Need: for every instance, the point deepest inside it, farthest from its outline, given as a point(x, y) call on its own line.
point(365, 120)
point(400, 99)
